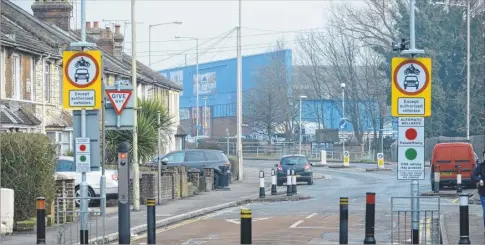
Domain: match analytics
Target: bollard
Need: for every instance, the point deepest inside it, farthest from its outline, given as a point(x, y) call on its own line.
point(246, 229)
point(293, 181)
point(261, 184)
point(151, 237)
point(288, 183)
point(370, 218)
point(40, 220)
point(344, 220)
point(437, 178)
point(464, 222)
point(273, 182)
point(458, 179)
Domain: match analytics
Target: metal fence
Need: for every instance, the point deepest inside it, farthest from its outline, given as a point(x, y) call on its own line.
point(428, 218)
point(68, 231)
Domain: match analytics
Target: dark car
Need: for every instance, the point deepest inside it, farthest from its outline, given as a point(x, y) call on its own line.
point(196, 158)
point(303, 169)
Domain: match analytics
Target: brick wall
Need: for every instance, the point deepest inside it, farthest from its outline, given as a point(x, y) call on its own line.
point(65, 188)
point(184, 188)
point(209, 179)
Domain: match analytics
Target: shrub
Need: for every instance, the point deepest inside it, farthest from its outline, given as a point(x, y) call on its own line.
point(209, 145)
point(28, 167)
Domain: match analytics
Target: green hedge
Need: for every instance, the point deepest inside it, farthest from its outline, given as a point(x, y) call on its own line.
point(28, 167)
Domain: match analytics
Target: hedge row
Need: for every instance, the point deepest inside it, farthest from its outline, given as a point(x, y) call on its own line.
point(28, 167)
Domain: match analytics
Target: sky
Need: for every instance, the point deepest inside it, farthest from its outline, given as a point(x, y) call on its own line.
point(213, 22)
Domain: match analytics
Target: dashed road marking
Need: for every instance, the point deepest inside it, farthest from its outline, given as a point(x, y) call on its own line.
point(310, 216)
point(295, 225)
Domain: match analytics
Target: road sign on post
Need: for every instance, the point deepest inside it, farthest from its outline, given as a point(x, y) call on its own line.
point(119, 107)
point(411, 87)
point(346, 158)
point(81, 81)
point(380, 160)
point(118, 99)
point(411, 149)
point(83, 155)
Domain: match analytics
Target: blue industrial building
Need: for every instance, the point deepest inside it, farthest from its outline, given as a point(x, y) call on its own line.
point(217, 90)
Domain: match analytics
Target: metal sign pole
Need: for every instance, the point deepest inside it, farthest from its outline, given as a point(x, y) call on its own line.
point(158, 157)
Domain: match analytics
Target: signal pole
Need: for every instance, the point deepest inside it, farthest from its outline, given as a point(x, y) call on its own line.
point(136, 170)
point(239, 99)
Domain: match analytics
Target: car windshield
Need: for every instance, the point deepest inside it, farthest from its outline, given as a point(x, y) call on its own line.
point(412, 78)
point(296, 160)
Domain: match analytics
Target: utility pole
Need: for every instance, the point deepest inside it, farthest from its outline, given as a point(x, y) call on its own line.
point(136, 170)
point(239, 98)
point(299, 149)
point(468, 70)
point(414, 183)
point(159, 164)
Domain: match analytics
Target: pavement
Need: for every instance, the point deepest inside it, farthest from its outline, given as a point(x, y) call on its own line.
point(451, 229)
point(173, 211)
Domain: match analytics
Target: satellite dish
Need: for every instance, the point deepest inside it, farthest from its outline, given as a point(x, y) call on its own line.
point(14, 106)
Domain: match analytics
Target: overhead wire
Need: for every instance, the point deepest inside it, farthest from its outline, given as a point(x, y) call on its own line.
point(201, 53)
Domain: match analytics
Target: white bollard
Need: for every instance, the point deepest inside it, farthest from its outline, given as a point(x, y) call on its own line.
point(323, 157)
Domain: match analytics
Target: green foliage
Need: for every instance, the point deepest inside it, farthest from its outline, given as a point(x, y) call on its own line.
point(28, 167)
point(147, 126)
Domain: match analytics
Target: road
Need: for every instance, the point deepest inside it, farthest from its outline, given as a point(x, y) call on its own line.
point(316, 221)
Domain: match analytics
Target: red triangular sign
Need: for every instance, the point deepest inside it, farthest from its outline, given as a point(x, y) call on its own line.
point(119, 99)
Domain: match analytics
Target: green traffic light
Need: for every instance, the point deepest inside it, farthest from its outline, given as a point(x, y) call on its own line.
point(83, 158)
point(411, 154)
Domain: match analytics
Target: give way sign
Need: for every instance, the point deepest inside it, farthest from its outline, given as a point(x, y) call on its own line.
point(119, 99)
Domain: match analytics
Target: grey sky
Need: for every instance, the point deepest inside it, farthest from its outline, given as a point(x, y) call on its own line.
point(206, 19)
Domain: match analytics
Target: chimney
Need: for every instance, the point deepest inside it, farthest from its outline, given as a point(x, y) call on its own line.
point(88, 25)
point(95, 32)
point(118, 43)
point(55, 12)
point(105, 41)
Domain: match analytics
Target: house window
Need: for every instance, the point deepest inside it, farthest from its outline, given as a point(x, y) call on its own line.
point(60, 86)
point(32, 80)
point(47, 82)
point(16, 76)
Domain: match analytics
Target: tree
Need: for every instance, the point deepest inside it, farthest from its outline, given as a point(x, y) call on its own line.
point(147, 130)
point(269, 105)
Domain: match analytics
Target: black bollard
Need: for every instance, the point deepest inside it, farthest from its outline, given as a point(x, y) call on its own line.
point(293, 181)
point(458, 179)
point(344, 220)
point(246, 229)
point(151, 237)
point(370, 218)
point(261, 184)
point(464, 222)
point(273, 182)
point(41, 220)
point(288, 183)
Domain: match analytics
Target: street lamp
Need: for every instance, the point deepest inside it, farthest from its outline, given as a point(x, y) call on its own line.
point(196, 83)
point(150, 38)
point(468, 13)
point(342, 85)
point(301, 97)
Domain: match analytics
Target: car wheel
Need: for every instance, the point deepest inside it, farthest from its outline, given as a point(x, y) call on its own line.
point(310, 182)
point(90, 194)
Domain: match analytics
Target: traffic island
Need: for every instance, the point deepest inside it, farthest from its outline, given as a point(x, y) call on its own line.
point(320, 165)
point(377, 169)
point(450, 193)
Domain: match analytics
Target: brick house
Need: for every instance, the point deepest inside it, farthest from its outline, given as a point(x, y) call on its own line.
point(31, 70)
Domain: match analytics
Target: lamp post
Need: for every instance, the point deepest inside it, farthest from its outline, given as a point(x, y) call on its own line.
point(205, 115)
point(301, 97)
point(342, 85)
point(196, 85)
point(150, 38)
point(468, 13)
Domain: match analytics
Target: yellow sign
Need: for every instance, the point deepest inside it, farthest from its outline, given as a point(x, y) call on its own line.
point(81, 80)
point(411, 87)
point(380, 160)
point(346, 158)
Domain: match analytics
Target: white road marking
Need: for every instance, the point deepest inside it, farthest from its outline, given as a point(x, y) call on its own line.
point(296, 224)
point(310, 216)
point(237, 221)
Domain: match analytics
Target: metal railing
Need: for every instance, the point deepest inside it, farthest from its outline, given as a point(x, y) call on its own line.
point(68, 231)
point(402, 220)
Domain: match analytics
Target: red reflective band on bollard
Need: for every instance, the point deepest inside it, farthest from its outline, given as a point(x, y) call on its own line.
point(371, 198)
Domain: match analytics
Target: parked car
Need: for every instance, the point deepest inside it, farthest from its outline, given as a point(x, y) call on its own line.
point(303, 169)
point(196, 158)
point(66, 166)
point(450, 155)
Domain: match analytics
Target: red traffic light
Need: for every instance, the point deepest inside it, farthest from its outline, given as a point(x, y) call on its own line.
point(82, 147)
point(122, 155)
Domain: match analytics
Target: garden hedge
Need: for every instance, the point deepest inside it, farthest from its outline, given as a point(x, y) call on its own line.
point(28, 167)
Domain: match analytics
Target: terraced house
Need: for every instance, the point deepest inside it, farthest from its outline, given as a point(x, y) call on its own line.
point(31, 70)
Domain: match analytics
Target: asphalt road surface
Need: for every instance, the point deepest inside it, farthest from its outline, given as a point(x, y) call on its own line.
point(316, 220)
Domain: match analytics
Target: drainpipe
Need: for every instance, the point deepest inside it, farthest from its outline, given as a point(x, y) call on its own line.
point(43, 91)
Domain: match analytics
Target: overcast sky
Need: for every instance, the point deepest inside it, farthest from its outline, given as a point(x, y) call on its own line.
point(263, 22)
